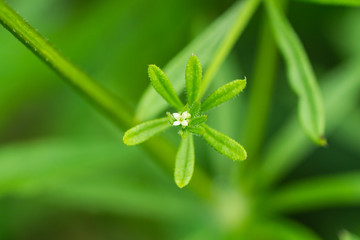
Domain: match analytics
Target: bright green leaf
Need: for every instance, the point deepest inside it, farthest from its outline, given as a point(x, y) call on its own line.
point(185, 160)
point(193, 76)
point(301, 75)
point(197, 130)
point(198, 120)
point(223, 94)
point(223, 144)
point(345, 235)
point(146, 130)
point(162, 85)
point(334, 2)
point(195, 108)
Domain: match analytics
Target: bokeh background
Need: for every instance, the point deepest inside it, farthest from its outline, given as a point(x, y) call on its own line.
point(64, 171)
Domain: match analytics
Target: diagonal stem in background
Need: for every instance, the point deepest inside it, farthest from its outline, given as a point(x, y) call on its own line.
point(109, 104)
point(261, 91)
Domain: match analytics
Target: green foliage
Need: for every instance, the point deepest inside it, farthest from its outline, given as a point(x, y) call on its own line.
point(62, 182)
point(223, 144)
point(195, 108)
point(300, 74)
point(95, 93)
point(189, 120)
point(340, 99)
point(345, 235)
point(318, 193)
point(142, 132)
point(207, 46)
point(198, 120)
point(353, 3)
point(162, 85)
point(185, 160)
point(193, 76)
point(223, 94)
point(282, 229)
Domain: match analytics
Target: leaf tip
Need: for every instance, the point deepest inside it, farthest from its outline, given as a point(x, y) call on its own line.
point(151, 67)
point(126, 140)
point(242, 82)
point(181, 184)
point(242, 157)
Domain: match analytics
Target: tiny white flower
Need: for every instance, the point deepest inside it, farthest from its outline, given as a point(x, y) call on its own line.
point(181, 119)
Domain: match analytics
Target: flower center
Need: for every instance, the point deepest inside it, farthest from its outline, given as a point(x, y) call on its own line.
point(181, 119)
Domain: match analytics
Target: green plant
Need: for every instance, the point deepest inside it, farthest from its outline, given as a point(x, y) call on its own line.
point(190, 117)
point(248, 201)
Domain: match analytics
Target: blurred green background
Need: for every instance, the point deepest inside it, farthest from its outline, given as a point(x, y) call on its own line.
point(65, 173)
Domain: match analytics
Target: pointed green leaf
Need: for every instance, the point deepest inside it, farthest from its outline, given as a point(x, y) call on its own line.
point(185, 160)
point(198, 120)
point(223, 144)
point(195, 108)
point(146, 130)
point(345, 235)
point(300, 74)
point(353, 3)
point(340, 101)
point(223, 94)
point(193, 76)
point(197, 130)
point(162, 85)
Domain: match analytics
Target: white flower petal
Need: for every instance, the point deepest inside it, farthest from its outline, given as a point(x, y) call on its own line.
point(186, 115)
point(176, 116)
point(184, 123)
point(176, 123)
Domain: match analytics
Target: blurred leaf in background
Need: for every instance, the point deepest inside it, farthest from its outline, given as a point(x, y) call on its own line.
point(65, 173)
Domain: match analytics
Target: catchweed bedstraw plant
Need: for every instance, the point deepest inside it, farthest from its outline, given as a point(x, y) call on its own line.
point(189, 118)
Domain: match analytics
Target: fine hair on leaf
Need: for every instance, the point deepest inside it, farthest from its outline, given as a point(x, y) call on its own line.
point(185, 160)
point(198, 120)
point(193, 76)
point(162, 85)
point(223, 94)
point(145, 130)
point(223, 144)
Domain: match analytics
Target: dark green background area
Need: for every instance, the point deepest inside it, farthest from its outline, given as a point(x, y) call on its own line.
point(64, 170)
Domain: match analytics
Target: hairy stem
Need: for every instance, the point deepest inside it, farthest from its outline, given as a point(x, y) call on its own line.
point(229, 41)
point(114, 108)
point(79, 80)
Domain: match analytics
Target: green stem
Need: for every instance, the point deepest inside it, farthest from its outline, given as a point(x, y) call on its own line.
point(229, 41)
point(94, 92)
point(261, 92)
point(114, 108)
